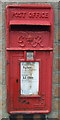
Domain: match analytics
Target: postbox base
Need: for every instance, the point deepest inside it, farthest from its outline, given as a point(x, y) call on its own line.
point(29, 112)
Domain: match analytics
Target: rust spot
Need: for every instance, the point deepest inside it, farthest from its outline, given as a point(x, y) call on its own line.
point(42, 103)
point(18, 97)
point(19, 100)
point(24, 101)
point(27, 102)
point(43, 98)
point(17, 81)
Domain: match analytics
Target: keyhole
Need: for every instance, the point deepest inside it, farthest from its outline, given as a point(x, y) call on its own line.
point(17, 81)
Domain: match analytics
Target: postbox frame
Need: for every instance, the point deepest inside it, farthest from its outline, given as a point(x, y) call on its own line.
point(11, 109)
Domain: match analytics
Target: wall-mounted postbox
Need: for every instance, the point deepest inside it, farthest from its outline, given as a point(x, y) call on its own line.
point(29, 51)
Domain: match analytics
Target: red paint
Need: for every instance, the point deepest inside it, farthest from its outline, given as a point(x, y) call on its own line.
point(29, 27)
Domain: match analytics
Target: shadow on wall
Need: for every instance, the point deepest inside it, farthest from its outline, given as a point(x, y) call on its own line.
point(28, 117)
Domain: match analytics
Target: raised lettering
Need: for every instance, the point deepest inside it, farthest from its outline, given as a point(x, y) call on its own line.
point(46, 15)
point(43, 14)
point(21, 41)
point(30, 39)
point(31, 15)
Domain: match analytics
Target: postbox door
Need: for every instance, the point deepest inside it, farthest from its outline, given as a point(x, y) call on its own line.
point(29, 98)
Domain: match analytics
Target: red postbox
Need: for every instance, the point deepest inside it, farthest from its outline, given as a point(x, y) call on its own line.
point(29, 52)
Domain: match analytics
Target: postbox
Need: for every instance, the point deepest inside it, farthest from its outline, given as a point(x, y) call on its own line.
point(29, 56)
